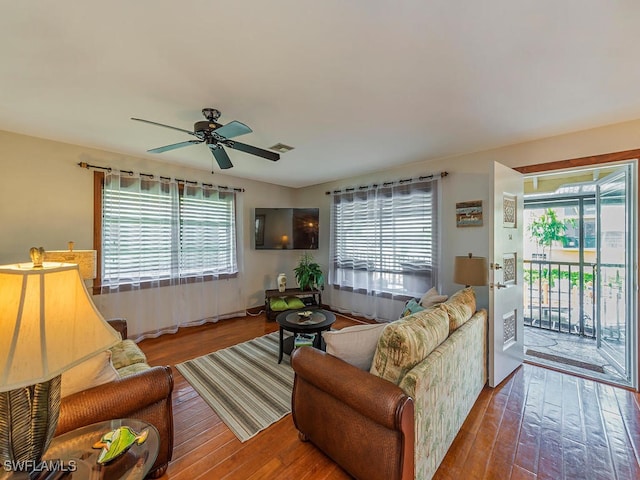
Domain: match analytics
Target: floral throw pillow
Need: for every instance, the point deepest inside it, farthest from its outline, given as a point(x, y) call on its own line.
point(460, 307)
point(406, 342)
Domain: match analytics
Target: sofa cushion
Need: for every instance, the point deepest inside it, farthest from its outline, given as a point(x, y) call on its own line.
point(406, 342)
point(431, 298)
point(95, 371)
point(126, 353)
point(460, 307)
point(355, 345)
point(133, 368)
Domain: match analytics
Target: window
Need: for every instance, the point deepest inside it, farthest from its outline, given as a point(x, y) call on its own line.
point(207, 232)
point(384, 239)
point(159, 232)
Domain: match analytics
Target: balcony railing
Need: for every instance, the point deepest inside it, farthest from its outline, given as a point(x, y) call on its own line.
point(559, 296)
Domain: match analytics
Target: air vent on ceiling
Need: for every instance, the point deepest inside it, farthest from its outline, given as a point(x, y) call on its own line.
point(281, 147)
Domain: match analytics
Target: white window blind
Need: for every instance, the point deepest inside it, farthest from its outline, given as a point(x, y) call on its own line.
point(384, 239)
point(154, 232)
point(207, 232)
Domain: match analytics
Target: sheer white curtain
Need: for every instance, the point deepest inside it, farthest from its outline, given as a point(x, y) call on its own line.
point(384, 244)
point(140, 232)
point(207, 232)
point(169, 253)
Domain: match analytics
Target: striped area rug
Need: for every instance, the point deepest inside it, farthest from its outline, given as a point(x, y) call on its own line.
point(244, 384)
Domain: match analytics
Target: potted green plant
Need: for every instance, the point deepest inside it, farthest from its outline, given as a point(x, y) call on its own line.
point(308, 273)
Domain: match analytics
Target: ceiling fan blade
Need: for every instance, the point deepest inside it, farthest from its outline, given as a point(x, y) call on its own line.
point(163, 125)
point(233, 129)
point(243, 147)
point(173, 146)
point(221, 156)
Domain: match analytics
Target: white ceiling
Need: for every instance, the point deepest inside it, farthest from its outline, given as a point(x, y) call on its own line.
point(355, 86)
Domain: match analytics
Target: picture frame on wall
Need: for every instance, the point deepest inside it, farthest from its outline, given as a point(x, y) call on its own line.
point(469, 214)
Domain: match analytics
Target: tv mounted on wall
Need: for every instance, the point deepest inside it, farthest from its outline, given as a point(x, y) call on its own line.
point(286, 228)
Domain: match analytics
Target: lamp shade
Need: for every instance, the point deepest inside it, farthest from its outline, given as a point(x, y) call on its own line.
point(48, 322)
point(470, 270)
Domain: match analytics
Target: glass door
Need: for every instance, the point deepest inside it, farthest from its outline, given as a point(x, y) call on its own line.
point(616, 304)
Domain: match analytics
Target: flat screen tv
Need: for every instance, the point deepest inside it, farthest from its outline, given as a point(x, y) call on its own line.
point(286, 228)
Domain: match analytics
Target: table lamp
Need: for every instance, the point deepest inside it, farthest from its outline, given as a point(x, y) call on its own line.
point(469, 270)
point(49, 324)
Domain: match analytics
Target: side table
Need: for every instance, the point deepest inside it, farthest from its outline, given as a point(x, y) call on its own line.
point(319, 321)
point(74, 455)
point(316, 296)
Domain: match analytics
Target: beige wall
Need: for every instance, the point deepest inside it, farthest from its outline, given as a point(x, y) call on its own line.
point(469, 180)
point(46, 199)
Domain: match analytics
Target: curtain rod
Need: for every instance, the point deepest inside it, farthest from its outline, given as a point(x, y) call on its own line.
point(386, 184)
point(150, 175)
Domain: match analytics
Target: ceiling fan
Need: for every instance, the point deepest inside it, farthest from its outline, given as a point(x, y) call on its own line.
point(216, 136)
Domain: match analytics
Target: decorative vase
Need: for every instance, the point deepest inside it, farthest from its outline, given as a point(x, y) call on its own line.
point(282, 282)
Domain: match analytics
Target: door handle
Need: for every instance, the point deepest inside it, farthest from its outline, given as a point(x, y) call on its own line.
point(496, 266)
point(498, 285)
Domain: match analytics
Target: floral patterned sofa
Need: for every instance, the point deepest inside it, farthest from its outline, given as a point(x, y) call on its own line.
point(398, 420)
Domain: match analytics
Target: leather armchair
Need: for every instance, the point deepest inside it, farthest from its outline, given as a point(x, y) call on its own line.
point(362, 422)
point(145, 396)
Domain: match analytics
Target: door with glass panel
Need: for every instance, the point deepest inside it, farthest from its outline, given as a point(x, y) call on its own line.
point(615, 328)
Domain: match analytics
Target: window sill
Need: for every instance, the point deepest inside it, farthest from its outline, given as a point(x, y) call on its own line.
point(128, 287)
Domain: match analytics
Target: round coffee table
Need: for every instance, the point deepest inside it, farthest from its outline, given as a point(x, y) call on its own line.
point(301, 322)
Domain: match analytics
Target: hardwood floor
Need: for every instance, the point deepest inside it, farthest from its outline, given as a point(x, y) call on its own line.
point(538, 424)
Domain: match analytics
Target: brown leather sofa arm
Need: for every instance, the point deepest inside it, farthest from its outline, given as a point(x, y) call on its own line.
point(117, 399)
point(145, 396)
point(120, 326)
point(364, 423)
point(372, 396)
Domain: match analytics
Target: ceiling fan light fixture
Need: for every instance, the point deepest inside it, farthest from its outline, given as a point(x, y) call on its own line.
point(215, 136)
point(211, 114)
point(281, 148)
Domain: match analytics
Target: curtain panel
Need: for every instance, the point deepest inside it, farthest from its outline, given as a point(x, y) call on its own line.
point(384, 244)
point(164, 245)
